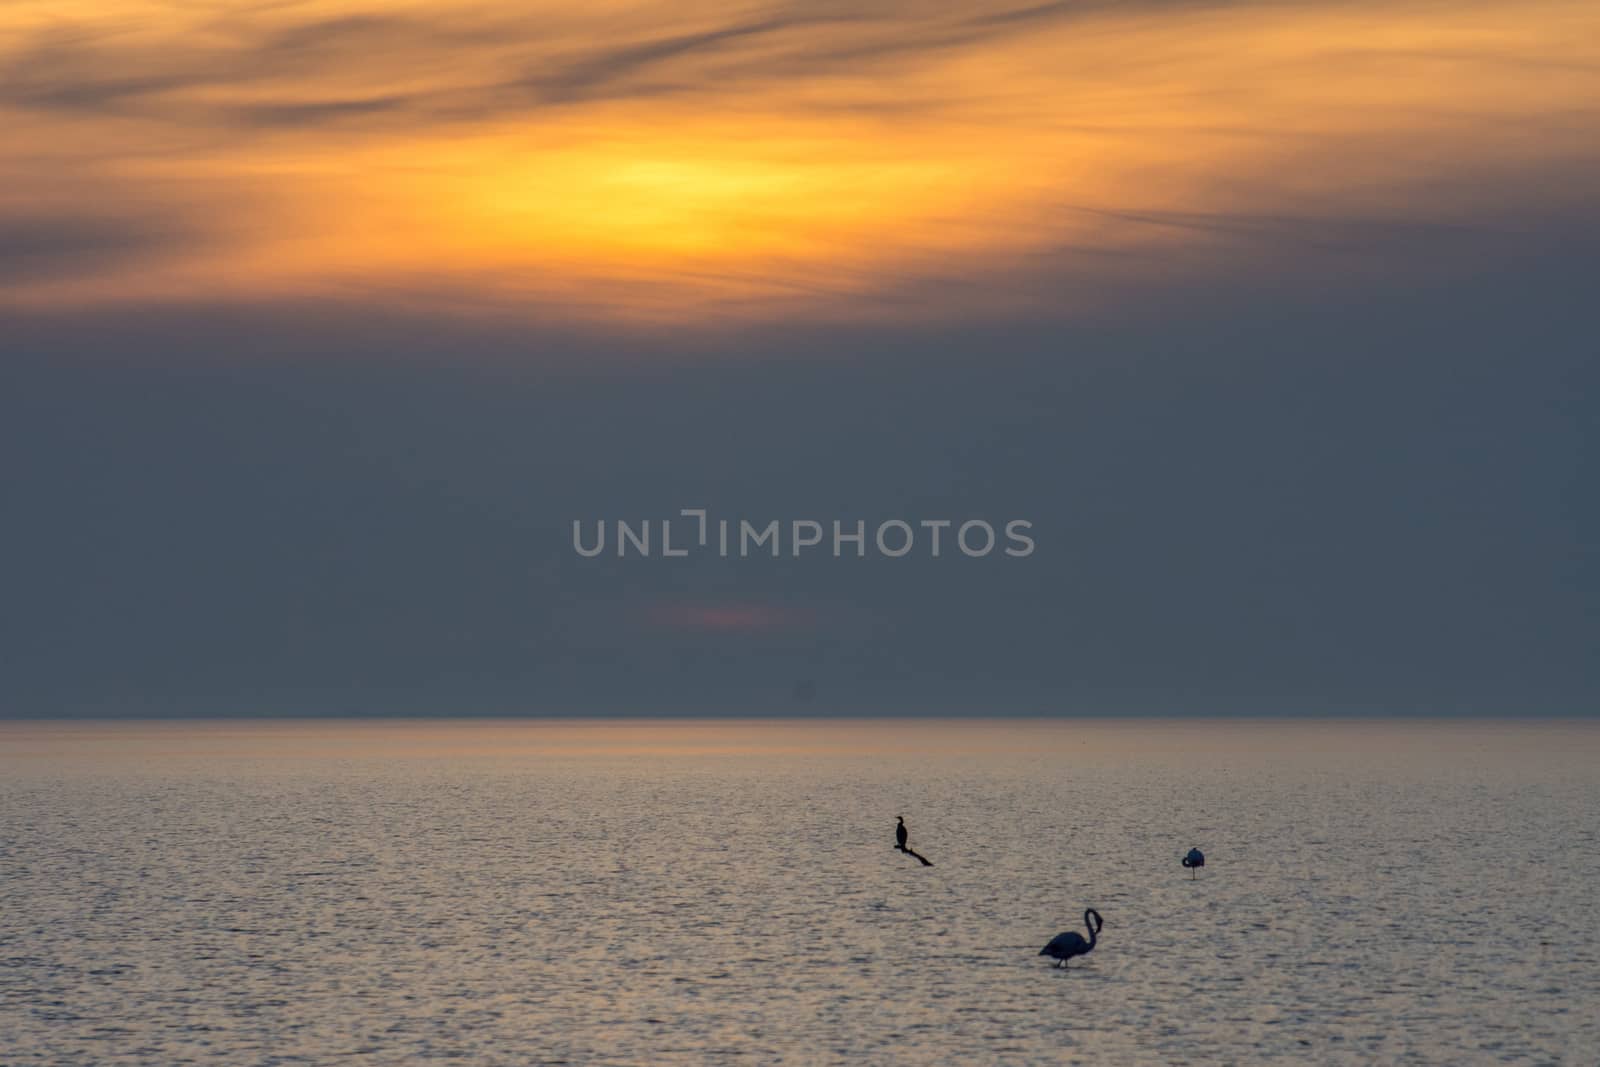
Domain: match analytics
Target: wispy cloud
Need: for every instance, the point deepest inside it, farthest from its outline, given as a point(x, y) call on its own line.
point(35, 248)
point(676, 159)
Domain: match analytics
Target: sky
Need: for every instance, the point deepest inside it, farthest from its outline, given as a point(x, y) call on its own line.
point(322, 322)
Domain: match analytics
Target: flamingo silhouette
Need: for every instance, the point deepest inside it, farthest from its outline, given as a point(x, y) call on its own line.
point(1194, 859)
point(1065, 946)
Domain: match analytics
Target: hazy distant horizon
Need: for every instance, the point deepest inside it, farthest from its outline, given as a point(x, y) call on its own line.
point(822, 717)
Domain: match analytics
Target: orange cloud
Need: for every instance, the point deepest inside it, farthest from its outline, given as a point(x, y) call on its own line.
point(651, 162)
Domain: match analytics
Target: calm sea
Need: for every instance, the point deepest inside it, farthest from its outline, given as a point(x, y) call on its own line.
point(698, 892)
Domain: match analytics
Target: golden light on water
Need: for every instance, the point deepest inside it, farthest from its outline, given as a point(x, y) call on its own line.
point(650, 161)
point(47, 747)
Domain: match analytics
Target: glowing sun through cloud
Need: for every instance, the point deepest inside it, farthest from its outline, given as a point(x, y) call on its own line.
point(729, 618)
point(669, 162)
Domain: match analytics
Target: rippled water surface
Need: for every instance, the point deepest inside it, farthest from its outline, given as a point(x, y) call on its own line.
point(712, 892)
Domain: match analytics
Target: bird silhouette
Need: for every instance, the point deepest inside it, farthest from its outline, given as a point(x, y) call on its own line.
point(1065, 946)
point(900, 839)
point(1194, 859)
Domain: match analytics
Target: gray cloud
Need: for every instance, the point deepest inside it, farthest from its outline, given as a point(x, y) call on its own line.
point(39, 247)
point(1344, 231)
point(597, 73)
point(1351, 498)
point(77, 70)
point(321, 112)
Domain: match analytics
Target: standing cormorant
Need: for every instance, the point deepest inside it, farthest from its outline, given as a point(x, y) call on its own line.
point(900, 839)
